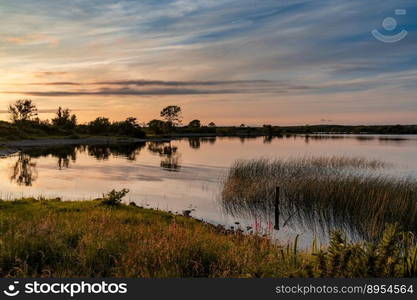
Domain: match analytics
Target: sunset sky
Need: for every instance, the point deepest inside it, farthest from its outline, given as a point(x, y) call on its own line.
point(227, 61)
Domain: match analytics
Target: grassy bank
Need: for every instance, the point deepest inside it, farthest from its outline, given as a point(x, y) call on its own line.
point(52, 238)
point(326, 193)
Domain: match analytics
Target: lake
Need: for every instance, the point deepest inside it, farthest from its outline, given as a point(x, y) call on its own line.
point(186, 174)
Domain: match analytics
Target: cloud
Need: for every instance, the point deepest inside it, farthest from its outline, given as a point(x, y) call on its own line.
point(145, 83)
point(146, 92)
point(49, 73)
point(33, 39)
point(55, 83)
point(142, 87)
point(276, 49)
point(181, 83)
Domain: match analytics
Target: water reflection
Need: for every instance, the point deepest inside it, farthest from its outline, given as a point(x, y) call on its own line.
point(104, 152)
point(170, 154)
point(24, 169)
point(318, 222)
point(64, 154)
point(269, 139)
point(199, 164)
point(23, 172)
point(387, 139)
point(210, 140)
point(194, 143)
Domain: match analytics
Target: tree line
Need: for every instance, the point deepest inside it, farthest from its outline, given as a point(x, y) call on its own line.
point(24, 116)
point(26, 123)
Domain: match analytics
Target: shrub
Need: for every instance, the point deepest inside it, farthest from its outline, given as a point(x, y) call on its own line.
point(114, 197)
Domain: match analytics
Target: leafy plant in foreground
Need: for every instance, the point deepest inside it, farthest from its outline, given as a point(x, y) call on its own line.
point(114, 197)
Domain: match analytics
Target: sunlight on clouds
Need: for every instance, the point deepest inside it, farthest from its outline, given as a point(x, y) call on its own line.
point(32, 39)
point(311, 53)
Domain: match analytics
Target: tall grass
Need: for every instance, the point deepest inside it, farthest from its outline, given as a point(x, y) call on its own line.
point(327, 193)
point(89, 239)
point(50, 238)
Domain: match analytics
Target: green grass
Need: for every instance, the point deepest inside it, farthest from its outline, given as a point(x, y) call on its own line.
point(325, 193)
point(52, 238)
point(41, 130)
point(10, 132)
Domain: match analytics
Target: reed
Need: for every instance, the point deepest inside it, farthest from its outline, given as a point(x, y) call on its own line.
point(327, 193)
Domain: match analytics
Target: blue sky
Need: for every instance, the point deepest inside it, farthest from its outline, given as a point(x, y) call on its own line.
point(231, 62)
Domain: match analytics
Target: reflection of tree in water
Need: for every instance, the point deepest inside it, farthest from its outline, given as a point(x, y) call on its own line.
point(194, 143)
point(103, 152)
point(99, 152)
point(24, 170)
point(65, 154)
point(268, 139)
point(245, 138)
point(210, 140)
point(130, 151)
point(171, 161)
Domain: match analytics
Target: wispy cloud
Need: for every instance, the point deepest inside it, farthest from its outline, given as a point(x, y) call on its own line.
point(33, 39)
point(148, 92)
point(49, 73)
point(183, 83)
point(267, 50)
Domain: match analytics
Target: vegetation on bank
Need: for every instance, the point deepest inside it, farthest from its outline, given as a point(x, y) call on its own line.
point(323, 193)
point(25, 124)
point(53, 238)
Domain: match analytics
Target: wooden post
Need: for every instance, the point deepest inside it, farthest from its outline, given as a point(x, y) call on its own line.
point(276, 208)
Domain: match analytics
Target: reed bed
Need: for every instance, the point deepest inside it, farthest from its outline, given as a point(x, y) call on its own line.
point(327, 193)
point(51, 238)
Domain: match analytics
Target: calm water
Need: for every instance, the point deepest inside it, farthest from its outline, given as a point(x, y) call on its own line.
point(184, 174)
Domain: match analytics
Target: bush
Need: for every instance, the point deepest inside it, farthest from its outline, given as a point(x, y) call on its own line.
point(114, 197)
point(99, 126)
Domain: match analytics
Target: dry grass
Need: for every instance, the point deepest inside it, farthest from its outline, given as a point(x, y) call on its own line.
point(40, 238)
point(71, 239)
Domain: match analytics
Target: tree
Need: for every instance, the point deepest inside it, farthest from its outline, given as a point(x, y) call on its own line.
point(194, 124)
point(64, 118)
point(22, 111)
point(268, 129)
point(211, 125)
point(172, 115)
point(157, 126)
point(99, 125)
point(129, 127)
point(132, 121)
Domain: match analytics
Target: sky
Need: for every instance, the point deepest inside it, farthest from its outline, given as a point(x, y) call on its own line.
point(225, 61)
